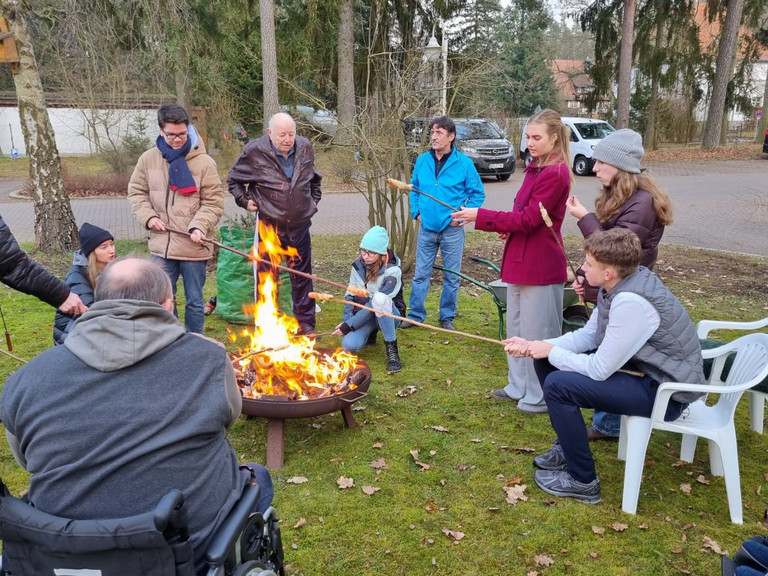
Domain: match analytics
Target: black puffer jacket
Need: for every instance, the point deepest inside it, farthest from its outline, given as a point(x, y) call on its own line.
point(21, 273)
point(258, 175)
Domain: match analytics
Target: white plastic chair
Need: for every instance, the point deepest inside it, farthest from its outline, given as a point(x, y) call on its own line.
point(715, 423)
point(756, 397)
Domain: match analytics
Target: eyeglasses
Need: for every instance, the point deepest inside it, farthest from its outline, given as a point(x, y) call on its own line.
point(367, 253)
point(181, 136)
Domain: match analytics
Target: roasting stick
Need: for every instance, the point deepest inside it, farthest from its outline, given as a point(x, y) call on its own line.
point(14, 356)
point(262, 351)
point(324, 296)
point(400, 185)
point(353, 289)
point(548, 222)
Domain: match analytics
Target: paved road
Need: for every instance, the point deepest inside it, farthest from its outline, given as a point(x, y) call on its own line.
point(718, 205)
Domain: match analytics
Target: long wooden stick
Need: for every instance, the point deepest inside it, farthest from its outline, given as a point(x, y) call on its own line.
point(263, 261)
point(400, 185)
point(14, 356)
point(323, 296)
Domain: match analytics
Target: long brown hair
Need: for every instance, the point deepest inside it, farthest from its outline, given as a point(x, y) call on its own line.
point(554, 126)
point(93, 269)
point(372, 271)
point(623, 185)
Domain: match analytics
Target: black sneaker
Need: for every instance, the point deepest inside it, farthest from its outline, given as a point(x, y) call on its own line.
point(560, 483)
point(447, 325)
point(552, 459)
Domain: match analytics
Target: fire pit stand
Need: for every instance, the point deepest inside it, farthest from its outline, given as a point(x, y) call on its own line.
point(277, 411)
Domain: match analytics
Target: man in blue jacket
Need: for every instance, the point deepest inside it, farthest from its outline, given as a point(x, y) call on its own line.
point(447, 174)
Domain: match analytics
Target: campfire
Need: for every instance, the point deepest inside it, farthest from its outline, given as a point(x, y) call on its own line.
point(276, 362)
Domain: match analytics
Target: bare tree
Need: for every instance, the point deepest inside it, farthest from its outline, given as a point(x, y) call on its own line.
point(346, 56)
point(625, 64)
point(725, 58)
point(269, 59)
point(55, 225)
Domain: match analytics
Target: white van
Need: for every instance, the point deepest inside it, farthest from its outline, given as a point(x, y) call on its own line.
point(585, 134)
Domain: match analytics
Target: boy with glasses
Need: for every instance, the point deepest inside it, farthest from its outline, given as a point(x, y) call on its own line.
point(176, 185)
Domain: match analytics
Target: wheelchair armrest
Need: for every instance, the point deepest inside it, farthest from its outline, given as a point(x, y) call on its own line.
point(165, 509)
point(232, 527)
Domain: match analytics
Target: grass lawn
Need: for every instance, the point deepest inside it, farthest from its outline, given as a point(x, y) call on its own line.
point(440, 451)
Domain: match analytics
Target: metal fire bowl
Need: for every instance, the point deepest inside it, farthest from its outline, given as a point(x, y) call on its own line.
point(284, 409)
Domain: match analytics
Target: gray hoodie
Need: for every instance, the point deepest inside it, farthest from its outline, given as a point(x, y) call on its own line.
point(130, 407)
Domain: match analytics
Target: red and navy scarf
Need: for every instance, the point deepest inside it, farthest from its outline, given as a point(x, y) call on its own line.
point(179, 177)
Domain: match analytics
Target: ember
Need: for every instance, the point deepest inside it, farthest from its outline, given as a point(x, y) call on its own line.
point(286, 364)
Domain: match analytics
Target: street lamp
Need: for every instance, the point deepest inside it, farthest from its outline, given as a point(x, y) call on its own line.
point(433, 52)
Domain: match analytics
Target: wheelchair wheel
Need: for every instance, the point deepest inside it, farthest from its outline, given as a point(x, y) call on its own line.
point(252, 568)
point(575, 317)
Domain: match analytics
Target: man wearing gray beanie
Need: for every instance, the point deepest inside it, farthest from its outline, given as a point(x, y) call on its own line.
point(623, 149)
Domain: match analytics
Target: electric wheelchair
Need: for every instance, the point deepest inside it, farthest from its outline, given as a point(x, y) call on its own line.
point(151, 544)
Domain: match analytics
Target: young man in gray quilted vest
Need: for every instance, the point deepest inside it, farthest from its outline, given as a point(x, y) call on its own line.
point(638, 336)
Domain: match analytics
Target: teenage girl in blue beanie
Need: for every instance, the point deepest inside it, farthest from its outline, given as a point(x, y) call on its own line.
point(377, 269)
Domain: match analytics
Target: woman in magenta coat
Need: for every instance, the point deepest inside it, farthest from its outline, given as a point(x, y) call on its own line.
point(533, 264)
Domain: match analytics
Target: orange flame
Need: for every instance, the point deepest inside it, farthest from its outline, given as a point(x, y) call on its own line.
point(295, 369)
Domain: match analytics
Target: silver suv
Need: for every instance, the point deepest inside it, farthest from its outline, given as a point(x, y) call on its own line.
point(481, 140)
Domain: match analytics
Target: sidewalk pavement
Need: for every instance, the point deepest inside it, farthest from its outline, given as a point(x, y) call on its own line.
point(718, 205)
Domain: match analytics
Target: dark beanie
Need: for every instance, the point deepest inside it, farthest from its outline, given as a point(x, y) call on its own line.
point(91, 237)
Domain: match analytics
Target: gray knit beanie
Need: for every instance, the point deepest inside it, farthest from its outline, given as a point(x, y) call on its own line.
point(622, 149)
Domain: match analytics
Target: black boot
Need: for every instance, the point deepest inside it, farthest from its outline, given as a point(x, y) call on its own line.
point(393, 358)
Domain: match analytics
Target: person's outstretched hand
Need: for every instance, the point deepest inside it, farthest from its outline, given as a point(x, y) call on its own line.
point(73, 305)
point(576, 208)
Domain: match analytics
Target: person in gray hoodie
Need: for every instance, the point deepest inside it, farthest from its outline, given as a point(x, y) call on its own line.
point(129, 407)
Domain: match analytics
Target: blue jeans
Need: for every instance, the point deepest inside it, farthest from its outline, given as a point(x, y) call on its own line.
point(264, 480)
point(567, 392)
point(607, 423)
point(355, 341)
point(192, 273)
point(451, 244)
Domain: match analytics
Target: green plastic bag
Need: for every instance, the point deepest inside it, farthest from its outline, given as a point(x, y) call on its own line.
point(234, 279)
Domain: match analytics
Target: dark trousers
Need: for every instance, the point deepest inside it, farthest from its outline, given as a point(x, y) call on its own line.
point(567, 392)
point(298, 238)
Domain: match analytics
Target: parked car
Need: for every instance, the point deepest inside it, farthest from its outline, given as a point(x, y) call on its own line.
point(585, 134)
point(765, 143)
point(480, 139)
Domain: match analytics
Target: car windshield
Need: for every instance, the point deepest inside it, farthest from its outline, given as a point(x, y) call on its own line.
point(476, 131)
point(594, 131)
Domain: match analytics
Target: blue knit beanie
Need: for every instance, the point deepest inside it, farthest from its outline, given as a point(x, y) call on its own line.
point(375, 240)
point(622, 149)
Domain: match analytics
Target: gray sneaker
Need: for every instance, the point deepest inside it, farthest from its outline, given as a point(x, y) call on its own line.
point(447, 325)
point(552, 459)
point(560, 483)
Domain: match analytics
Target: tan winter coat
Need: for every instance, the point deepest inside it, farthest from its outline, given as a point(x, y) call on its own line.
point(150, 197)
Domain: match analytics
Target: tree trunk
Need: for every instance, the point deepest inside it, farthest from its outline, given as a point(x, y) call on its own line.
point(55, 226)
point(651, 132)
point(346, 98)
point(762, 125)
point(268, 59)
point(625, 64)
point(725, 54)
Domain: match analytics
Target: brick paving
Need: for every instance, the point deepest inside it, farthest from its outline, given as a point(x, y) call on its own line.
point(718, 205)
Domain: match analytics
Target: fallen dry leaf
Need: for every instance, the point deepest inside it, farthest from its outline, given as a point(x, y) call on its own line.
point(523, 450)
point(378, 445)
point(300, 523)
point(439, 429)
point(619, 527)
point(643, 526)
point(380, 463)
point(345, 482)
point(532, 573)
point(598, 530)
point(714, 546)
point(430, 506)
point(685, 488)
point(515, 493)
point(677, 550)
point(370, 490)
point(406, 392)
point(542, 560)
point(453, 535)
point(513, 481)
point(593, 554)
point(702, 480)
point(475, 440)
point(296, 480)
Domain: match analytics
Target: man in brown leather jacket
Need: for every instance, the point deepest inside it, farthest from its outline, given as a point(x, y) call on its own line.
point(276, 176)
